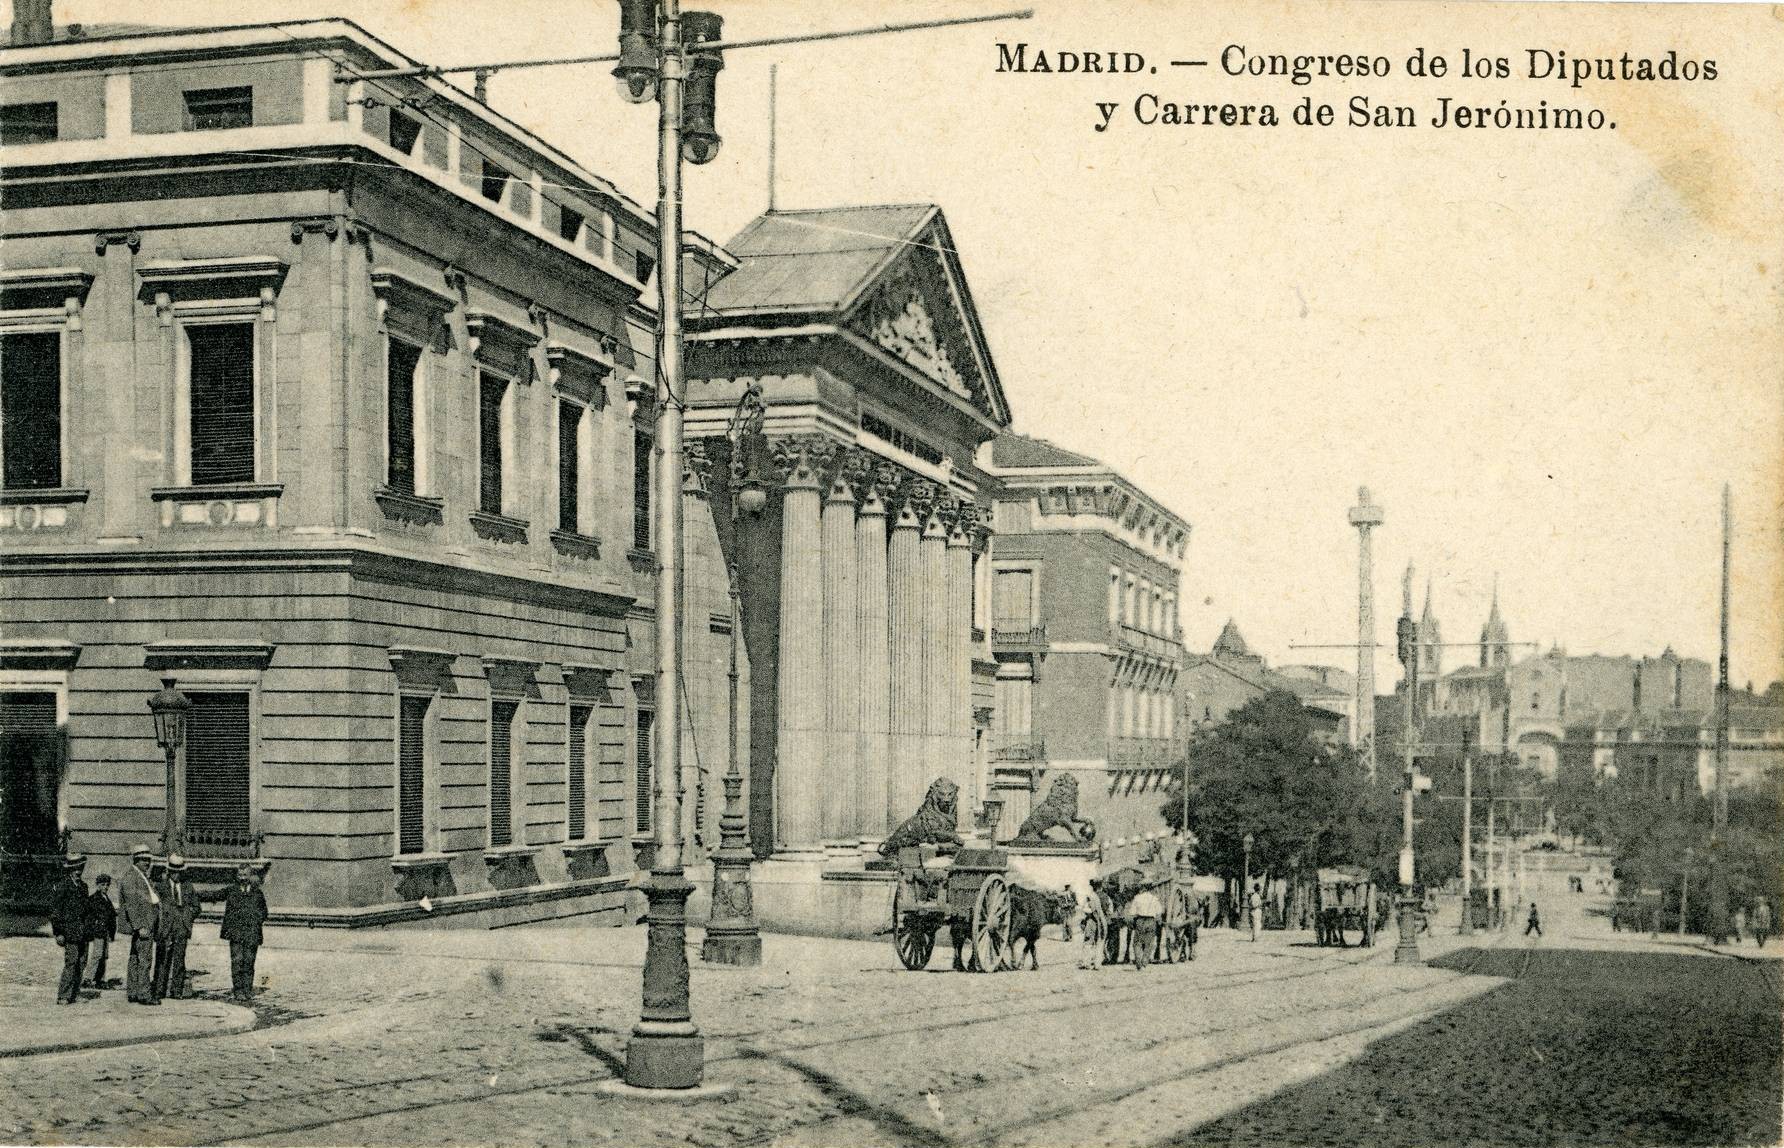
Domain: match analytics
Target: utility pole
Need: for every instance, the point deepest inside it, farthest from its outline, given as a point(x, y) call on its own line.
point(1719, 822)
point(1467, 929)
point(1365, 516)
point(1407, 950)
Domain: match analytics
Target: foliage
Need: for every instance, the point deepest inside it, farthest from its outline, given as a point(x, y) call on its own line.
point(1263, 771)
point(1652, 834)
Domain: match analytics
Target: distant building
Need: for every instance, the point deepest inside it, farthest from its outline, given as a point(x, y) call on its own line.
point(1083, 596)
point(1231, 674)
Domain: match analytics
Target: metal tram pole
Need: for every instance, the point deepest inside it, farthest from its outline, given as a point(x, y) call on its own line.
point(1406, 951)
point(1719, 822)
point(1467, 929)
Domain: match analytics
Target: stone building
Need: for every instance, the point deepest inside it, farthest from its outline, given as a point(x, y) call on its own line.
point(1084, 588)
point(329, 401)
point(1231, 673)
point(858, 577)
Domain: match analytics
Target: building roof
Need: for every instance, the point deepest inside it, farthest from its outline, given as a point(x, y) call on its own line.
point(64, 33)
point(1231, 643)
point(1020, 450)
point(817, 260)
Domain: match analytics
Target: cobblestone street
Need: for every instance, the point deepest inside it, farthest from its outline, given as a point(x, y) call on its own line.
point(459, 1037)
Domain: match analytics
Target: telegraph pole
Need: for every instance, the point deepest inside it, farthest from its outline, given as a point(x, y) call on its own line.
point(1719, 824)
point(1407, 951)
point(1467, 929)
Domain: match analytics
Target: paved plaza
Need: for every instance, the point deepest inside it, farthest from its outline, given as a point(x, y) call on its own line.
point(429, 1037)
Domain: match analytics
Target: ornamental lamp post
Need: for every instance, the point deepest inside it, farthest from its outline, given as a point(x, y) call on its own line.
point(170, 708)
point(1685, 888)
point(1245, 886)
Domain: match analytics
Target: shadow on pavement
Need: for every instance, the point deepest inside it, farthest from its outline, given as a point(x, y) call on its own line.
point(852, 1103)
point(1580, 1047)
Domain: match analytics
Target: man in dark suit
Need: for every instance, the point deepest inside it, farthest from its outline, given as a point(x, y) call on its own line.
point(140, 906)
point(244, 912)
point(102, 928)
point(179, 908)
point(68, 921)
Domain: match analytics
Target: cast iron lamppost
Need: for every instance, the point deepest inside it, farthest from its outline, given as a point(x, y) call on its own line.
point(1245, 885)
point(1407, 950)
point(1685, 888)
point(170, 708)
point(666, 1050)
point(732, 936)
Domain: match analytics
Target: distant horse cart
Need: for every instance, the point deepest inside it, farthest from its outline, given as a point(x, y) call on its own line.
point(1344, 901)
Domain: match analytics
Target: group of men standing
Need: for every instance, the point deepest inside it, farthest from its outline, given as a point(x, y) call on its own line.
point(157, 909)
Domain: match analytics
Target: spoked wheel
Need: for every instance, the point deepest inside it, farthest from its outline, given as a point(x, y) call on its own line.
point(913, 934)
point(991, 927)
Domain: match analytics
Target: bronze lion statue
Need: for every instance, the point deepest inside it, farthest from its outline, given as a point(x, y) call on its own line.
point(934, 824)
point(1058, 811)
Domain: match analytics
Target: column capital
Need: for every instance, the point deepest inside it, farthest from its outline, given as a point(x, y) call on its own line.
point(915, 500)
point(802, 459)
point(957, 517)
point(878, 487)
point(980, 530)
point(848, 475)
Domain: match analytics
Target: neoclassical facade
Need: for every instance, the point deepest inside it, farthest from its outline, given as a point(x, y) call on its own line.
point(869, 677)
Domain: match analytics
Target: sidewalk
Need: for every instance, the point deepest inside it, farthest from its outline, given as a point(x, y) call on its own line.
point(32, 1024)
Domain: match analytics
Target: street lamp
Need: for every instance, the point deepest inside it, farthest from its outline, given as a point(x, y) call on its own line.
point(666, 1050)
point(749, 493)
point(1245, 887)
point(171, 708)
point(1685, 888)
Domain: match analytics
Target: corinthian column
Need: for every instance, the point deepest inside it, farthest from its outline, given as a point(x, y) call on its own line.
point(938, 665)
point(871, 590)
point(799, 738)
point(958, 644)
point(842, 654)
point(905, 781)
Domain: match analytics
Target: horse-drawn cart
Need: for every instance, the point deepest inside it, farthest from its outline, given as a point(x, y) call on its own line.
point(968, 892)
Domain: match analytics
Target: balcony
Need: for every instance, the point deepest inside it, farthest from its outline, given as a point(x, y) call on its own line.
point(1144, 642)
point(1019, 752)
point(1018, 636)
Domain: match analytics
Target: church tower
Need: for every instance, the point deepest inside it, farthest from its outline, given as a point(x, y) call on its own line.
point(1430, 654)
point(1495, 636)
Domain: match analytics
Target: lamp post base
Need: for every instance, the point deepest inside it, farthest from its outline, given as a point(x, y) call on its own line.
point(732, 937)
point(1406, 949)
point(666, 1050)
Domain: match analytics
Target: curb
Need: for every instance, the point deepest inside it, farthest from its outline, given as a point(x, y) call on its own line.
point(246, 1021)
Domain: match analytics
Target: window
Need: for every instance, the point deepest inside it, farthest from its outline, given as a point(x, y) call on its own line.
point(642, 446)
point(493, 180)
point(217, 789)
point(212, 109)
point(29, 124)
point(643, 769)
point(1012, 599)
point(642, 266)
point(1015, 708)
point(902, 439)
point(569, 465)
point(569, 224)
point(31, 410)
point(221, 375)
point(492, 393)
point(403, 132)
point(1114, 596)
point(576, 828)
point(411, 775)
point(31, 755)
point(401, 361)
point(501, 772)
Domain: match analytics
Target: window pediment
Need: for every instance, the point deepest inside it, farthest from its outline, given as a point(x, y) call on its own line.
point(577, 374)
point(501, 344)
point(410, 305)
point(46, 289)
point(207, 653)
point(172, 281)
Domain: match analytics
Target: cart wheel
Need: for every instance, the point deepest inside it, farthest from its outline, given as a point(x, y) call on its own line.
point(913, 935)
point(991, 926)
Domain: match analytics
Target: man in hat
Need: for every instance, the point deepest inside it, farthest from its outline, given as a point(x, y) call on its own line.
point(179, 908)
point(140, 906)
point(1145, 910)
point(68, 921)
point(244, 912)
point(102, 928)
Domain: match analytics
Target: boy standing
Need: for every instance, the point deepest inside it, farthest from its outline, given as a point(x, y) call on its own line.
point(102, 928)
point(244, 912)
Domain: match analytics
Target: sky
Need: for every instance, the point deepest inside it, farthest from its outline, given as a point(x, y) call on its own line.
point(1544, 352)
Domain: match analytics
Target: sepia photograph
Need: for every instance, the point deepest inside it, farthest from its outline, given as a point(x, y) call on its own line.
point(922, 574)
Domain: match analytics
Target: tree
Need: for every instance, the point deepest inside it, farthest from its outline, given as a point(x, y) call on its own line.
point(1264, 771)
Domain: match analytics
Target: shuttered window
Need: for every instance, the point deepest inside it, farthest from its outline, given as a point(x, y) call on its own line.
point(1012, 599)
point(222, 401)
point(644, 767)
point(31, 410)
point(501, 772)
point(490, 391)
point(641, 455)
point(577, 827)
point(217, 785)
point(411, 776)
point(569, 464)
point(30, 755)
point(400, 364)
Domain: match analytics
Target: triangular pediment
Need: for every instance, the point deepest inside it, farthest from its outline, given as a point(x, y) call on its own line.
point(917, 308)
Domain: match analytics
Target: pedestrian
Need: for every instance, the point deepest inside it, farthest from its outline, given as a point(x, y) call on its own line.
point(1145, 910)
point(1535, 922)
point(179, 908)
point(1254, 908)
point(102, 928)
point(1094, 928)
point(1762, 922)
point(244, 912)
point(140, 906)
point(1111, 926)
point(1071, 913)
point(1740, 923)
point(68, 922)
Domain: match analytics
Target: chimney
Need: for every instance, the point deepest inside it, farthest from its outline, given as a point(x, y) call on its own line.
point(31, 23)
